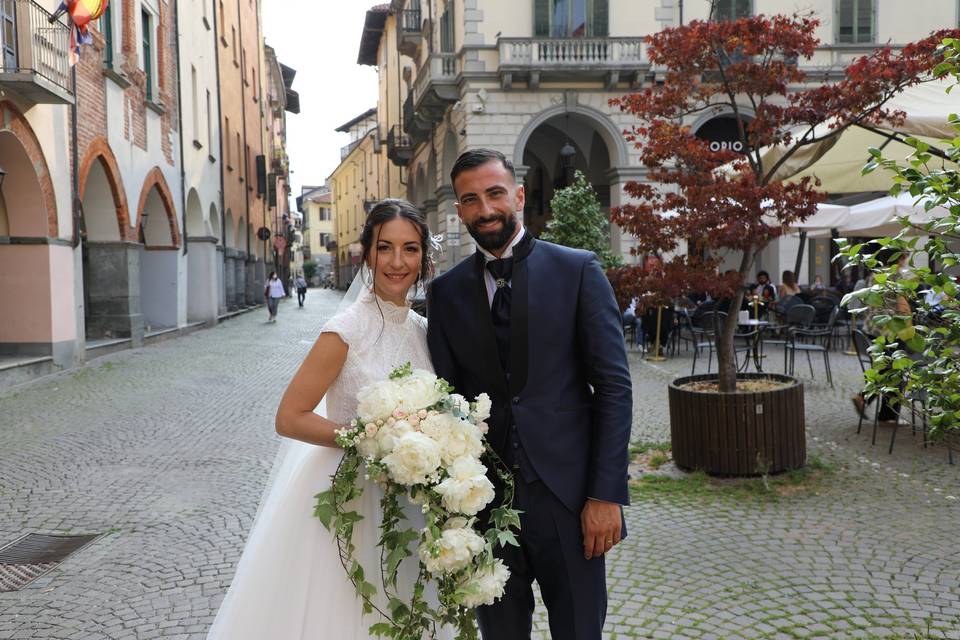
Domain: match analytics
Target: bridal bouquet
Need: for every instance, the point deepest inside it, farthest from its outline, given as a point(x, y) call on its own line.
point(423, 444)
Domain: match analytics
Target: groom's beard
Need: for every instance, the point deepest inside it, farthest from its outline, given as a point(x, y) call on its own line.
point(494, 240)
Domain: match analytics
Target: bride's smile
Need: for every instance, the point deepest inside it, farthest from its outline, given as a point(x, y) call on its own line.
point(397, 261)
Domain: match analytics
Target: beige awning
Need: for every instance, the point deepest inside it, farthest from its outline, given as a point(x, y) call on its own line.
point(838, 161)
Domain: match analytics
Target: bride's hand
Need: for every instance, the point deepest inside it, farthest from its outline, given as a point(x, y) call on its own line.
point(295, 417)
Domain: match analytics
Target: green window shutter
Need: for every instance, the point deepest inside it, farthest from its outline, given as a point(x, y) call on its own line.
point(541, 18)
point(106, 26)
point(744, 8)
point(601, 18)
point(147, 53)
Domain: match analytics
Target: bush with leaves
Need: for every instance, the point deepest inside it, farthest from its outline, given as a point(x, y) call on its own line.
point(578, 221)
point(920, 358)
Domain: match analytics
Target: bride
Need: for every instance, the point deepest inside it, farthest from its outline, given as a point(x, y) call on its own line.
point(289, 583)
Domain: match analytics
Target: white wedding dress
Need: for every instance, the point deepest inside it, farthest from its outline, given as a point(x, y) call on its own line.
point(290, 583)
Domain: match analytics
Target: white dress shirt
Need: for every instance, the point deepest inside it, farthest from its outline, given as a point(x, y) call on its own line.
point(488, 278)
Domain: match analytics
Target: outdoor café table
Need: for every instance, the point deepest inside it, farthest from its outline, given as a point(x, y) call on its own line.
point(759, 326)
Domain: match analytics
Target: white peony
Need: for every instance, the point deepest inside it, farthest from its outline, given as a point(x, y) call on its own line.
point(467, 490)
point(483, 405)
point(377, 401)
point(486, 586)
point(454, 550)
point(417, 391)
point(456, 437)
point(368, 448)
point(414, 457)
point(390, 433)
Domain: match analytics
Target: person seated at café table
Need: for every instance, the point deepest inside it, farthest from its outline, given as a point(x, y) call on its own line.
point(817, 286)
point(763, 289)
point(789, 286)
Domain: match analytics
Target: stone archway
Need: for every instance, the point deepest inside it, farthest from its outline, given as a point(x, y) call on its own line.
point(547, 169)
point(36, 265)
point(201, 283)
point(159, 233)
point(111, 258)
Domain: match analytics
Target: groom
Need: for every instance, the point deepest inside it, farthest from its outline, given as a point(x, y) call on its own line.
point(537, 327)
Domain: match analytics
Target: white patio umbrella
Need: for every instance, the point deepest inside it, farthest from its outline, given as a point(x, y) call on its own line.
point(880, 217)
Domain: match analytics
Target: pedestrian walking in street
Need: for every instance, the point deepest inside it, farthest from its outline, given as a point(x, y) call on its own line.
point(301, 286)
point(272, 293)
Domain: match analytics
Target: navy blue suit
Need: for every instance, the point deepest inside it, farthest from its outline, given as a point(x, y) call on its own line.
point(565, 411)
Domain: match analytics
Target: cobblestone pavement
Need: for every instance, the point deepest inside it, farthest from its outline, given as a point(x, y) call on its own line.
point(165, 451)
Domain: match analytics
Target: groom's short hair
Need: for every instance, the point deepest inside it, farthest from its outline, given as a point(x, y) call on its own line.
point(477, 157)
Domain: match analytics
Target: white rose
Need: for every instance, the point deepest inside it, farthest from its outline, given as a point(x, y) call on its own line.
point(417, 391)
point(414, 457)
point(482, 412)
point(486, 585)
point(453, 551)
point(388, 435)
point(377, 401)
point(467, 490)
point(456, 437)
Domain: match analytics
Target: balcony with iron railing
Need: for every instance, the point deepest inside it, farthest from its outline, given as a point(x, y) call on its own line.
point(534, 60)
point(35, 63)
point(434, 89)
point(399, 147)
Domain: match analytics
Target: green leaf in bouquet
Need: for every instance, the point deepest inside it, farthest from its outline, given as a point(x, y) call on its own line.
point(398, 608)
point(507, 537)
point(402, 371)
point(381, 629)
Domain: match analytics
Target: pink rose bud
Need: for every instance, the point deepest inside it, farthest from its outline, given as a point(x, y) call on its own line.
point(371, 430)
point(483, 427)
point(414, 420)
point(422, 413)
point(398, 413)
point(390, 420)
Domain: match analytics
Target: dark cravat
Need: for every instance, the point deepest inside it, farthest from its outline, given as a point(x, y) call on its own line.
point(502, 270)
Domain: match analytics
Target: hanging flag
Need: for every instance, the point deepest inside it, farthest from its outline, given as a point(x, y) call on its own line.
point(81, 12)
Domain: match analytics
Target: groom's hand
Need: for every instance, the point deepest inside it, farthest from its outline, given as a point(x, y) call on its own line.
point(601, 527)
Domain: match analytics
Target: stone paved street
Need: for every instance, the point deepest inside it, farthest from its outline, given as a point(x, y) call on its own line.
point(165, 451)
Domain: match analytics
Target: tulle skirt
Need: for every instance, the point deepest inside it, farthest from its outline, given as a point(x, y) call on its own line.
point(290, 583)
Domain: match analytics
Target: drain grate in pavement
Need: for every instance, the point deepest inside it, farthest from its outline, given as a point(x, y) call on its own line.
point(29, 557)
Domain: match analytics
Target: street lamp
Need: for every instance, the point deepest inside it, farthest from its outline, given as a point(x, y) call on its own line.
point(567, 152)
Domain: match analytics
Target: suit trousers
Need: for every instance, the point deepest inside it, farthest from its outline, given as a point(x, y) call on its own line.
point(551, 552)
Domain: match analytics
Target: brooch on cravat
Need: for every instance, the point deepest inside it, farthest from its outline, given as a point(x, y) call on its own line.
point(501, 283)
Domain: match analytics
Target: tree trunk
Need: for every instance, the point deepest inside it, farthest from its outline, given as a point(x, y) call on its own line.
point(726, 362)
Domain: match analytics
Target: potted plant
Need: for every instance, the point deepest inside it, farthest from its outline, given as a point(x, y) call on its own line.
point(732, 199)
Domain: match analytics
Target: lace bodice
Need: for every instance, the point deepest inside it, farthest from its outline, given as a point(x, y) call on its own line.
point(381, 336)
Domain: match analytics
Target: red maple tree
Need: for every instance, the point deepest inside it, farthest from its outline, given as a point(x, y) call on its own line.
point(722, 199)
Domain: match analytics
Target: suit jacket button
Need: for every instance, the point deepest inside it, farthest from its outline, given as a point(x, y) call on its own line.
point(516, 399)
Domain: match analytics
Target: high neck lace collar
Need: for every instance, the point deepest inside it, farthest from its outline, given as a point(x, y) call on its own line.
point(392, 312)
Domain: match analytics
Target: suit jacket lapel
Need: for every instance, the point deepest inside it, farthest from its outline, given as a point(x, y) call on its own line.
point(519, 321)
point(486, 340)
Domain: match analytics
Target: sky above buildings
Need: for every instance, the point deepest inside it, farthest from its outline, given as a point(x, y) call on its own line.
point(320, 40)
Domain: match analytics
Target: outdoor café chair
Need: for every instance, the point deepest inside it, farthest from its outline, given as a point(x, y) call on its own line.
point(811, 339)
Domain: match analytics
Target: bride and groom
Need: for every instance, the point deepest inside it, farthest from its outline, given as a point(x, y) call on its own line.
point(532, 324)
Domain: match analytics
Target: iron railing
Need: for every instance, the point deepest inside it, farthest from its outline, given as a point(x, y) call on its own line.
point(441, 67)
point(40, 47)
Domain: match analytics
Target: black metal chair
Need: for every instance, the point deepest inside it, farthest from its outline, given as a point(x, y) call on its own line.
point(809, 339)
point(704, 332)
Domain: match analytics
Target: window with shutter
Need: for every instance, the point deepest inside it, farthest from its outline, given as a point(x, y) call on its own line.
point(571, 18)
point(446, 30)
point(855, 21)
point(732, 9)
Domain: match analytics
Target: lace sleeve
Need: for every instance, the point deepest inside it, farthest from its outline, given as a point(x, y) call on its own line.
point(344, 325)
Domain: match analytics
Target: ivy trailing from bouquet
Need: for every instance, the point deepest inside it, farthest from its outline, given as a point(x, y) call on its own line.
point(424, 446)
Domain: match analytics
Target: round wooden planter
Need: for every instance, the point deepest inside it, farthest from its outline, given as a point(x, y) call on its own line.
point(738, 434)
